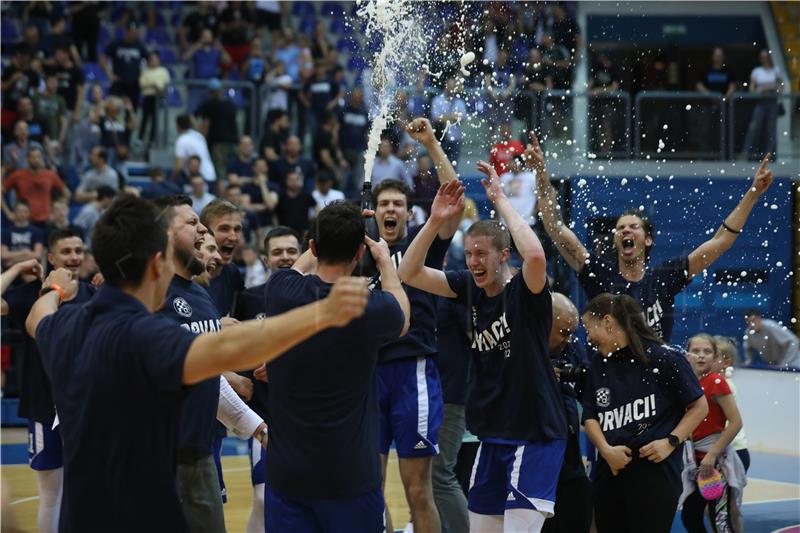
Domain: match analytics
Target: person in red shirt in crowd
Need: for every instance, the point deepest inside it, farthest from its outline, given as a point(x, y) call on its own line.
point(712, 452)
point(506, 149)
point(36, 184)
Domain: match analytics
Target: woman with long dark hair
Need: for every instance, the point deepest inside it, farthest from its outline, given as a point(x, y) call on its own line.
point(641, 401)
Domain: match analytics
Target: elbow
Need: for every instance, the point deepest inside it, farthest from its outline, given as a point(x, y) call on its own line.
point(30, 326)
point(700, 407)
point(535, 257)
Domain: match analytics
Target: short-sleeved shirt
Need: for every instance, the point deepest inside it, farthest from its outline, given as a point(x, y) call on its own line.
point(239, 167)
point(50, 109)
point(114, 131)
point(22, 238)
point(69, 81)
point(420, 340)
point(118, 397)
point(190, 306)
point(453, 349)
point(251, 305)
point(192, 142)
point(35, 395)
point(205, 63)
point(713, 385)
point(636, 403)
point(225, 288)
point(93, 179)
point(37, 188)
point(655, 292)
point(502, 152)
point(127, 58)
point(280, 168)
point(513, 396)
point(320, 93)
point(354, 126)
point(718, 79)
point(221, 114)
point(323, 441)
point(293, 211)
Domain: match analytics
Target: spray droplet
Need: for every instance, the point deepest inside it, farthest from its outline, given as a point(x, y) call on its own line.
point(688, 107)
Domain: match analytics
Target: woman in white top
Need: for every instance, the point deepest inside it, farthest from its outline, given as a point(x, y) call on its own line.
point(767, 81)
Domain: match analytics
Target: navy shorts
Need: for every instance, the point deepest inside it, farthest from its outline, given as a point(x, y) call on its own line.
point(44, 446)
point(411, 406)
point(258, 462)
point(509, 476)
point(363, 513)
point(217, 452)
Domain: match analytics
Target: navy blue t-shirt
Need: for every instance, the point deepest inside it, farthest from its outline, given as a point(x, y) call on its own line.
point(421, 337)
point(157, 189)
point(637, 403)
point(251, 304)
point(35, 396)
point(189, 305)
point(127, 58)
point(224, 288)
point(118, 397)
point(655, 292)
point(323, 440)
point(453, 345)
point(239, 167)
point(25, 238)
point(513, 395)
point(354, 125)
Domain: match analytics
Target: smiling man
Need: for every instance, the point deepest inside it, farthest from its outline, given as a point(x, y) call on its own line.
point(654, 287)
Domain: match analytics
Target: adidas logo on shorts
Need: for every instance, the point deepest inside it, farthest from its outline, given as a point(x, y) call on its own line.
point(420, 445)
point(510, 497)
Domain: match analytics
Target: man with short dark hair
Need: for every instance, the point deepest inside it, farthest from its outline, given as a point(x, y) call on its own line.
point(126, 55)
point(120, 350)
point(91, 212)
point(322, 465)
point(21, 241)
point(65, 250)
point(101, 174)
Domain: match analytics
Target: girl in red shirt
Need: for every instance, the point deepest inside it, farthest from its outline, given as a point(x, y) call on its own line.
point(711, 446)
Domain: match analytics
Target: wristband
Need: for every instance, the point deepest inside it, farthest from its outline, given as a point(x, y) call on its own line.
point(54, 287)
point(727, 227)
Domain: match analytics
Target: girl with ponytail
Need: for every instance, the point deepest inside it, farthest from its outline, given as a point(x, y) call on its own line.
point(641, 402)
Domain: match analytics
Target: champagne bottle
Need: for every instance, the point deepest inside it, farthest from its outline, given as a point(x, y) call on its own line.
point(367, 267)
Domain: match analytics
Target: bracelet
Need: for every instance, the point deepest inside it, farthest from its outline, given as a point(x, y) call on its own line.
point(727, 227)
point(54, 287)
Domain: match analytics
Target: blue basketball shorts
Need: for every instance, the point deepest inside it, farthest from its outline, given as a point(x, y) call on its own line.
point(510, 476)
point(217, 453)
point(44, 446)
point(411, 406)
point(258, 462)
point(363, 513)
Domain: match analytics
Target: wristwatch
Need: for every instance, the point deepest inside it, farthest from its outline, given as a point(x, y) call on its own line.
point(673, 440)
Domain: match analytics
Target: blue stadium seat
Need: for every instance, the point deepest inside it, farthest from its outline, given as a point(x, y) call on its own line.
point(348, 44)
point(339, 26)
point(307, 25)
point(237, 97)
point(168, 56)
point(303, 9)
point(356, 64)
point(94, 73)
point(333, 9)
point(174, 98)
point(9, 34)
point(158, 36)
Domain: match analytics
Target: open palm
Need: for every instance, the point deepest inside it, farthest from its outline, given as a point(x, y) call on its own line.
point(491, 183)
point(449, 201)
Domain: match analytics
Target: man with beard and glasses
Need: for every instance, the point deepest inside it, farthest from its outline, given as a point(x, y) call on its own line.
point(654, 287)
point(189, 304)
point(282, 245)
point(65, 250)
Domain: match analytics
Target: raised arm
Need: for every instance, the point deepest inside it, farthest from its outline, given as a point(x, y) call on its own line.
point(253, 342)
point(448, 201)
point(390, 281)
point(534, 263)
point(420, 130)
point(31, 267)
point(570, 248)
point(704, 255)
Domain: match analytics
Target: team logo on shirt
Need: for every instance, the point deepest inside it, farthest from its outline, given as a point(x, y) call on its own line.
point(603, 397)
point(260, 316)
point(182, 307)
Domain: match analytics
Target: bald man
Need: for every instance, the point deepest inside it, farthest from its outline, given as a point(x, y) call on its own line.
point(573, 510)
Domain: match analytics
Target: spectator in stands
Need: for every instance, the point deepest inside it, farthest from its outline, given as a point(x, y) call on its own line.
point(19, 79)
point(36, 184)
point(15, 153)
point(86, 27)
point(557, 60)
point(204, 57)
point(426, 183)
point(387, 166)
point(91, 212)
point(191, 143)
point(127, 56)
point(159, 185)
point(70, 82)
point(204, 17)
point(293, 160)
point(566, 31)
point(36, 128)
point(605, 79)
point(280, 83)
point(241, 164)
point(447, 109)
point(320, 96)
point(323, 192)
point(58, 38)
point(234, 27)
point(30, 38)
point(774, 343)
point(59, 219)
point(254, 68)
point(519, 184)
point(255, 273)
point(276, 133)
point(153, 82)
point(294, 204)
point(353, 136)
point(199, 193)
point(51, 108)
point(719, 78)
point(99, 175)
point(260, 196)
point(21, 241)
point(327, 150)
point(87, 134)
point(767, 81)
point(501, 86)
point(117, 125)
point(287, 51)
point(218, 115)
point(269, 14)
point(251, 227)
point(505, 150)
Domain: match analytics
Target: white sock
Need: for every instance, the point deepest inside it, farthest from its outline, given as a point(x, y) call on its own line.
point(50, 487)
point(485, 523)
point(523, 521)
point(255, 524)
